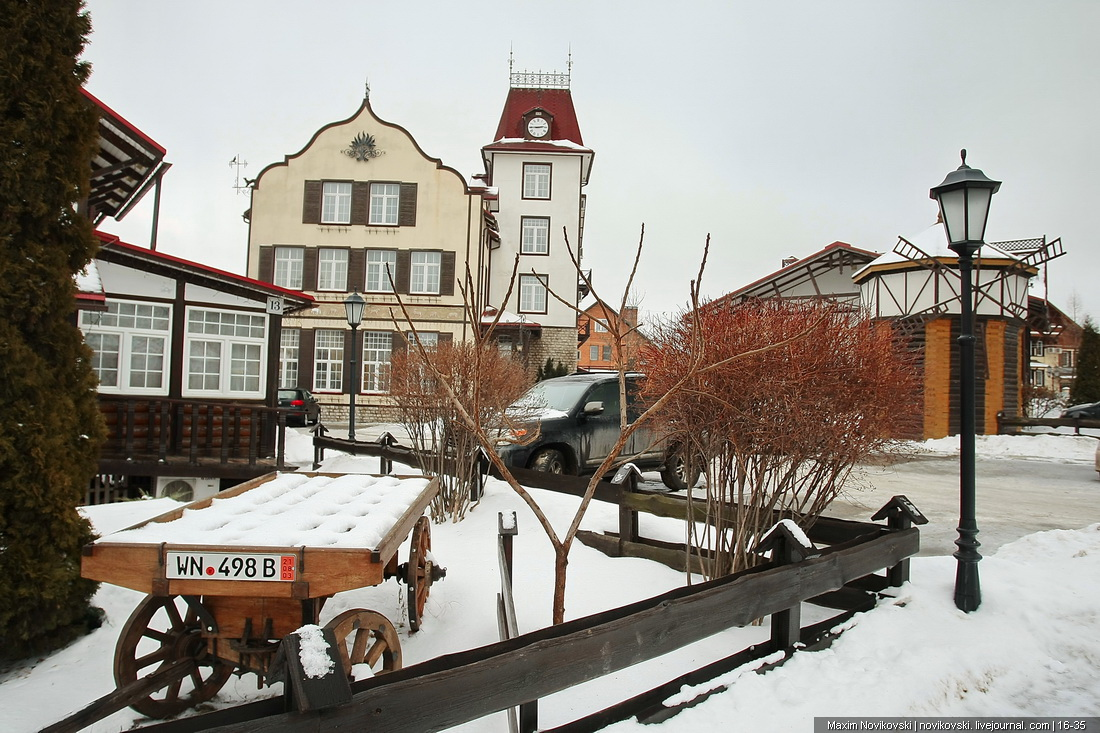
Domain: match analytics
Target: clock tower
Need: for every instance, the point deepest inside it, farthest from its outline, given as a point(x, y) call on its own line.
point(538, 165)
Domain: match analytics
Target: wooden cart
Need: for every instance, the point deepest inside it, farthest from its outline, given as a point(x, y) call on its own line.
point(216, 609)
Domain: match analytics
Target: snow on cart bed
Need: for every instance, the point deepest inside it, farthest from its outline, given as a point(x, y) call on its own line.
point(292, 510)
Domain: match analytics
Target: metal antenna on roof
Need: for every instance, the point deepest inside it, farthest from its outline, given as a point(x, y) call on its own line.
point(238, 163)
point(366, 88)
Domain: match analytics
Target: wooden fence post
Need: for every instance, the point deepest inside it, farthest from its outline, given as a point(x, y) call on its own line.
point(385, 463)
point(788, 544)
point(305, 692)
point(899, 513)
point(627, 478)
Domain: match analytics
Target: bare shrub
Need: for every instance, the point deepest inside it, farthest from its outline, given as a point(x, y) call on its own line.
point(780, 428)
point(483, 382)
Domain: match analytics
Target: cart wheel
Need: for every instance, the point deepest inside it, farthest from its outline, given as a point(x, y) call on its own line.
point(161, 630)
point(418, 571)
point(366, 637)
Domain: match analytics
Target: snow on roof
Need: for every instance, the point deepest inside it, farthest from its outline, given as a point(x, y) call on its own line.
point(88, 280)
point(933, 242)
point(507, 318)
point(536, 144)
point(292, 510)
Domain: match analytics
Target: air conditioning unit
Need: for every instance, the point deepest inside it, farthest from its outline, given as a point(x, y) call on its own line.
point(187, 488)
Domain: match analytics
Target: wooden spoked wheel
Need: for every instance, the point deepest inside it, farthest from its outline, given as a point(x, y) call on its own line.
point(418, 571)
point(366, 637)
point(160, 631)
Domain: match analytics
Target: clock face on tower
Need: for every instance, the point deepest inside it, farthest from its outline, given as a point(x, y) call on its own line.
point(538, 127)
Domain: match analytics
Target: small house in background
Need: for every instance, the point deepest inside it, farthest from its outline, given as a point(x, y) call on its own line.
point(187, 356)
point(597, 325)
point(1054, 340)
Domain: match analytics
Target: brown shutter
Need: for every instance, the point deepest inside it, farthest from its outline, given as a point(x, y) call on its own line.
point(309, 269)
point(311, 207)
point(446, 338)
point(406, 205)
point(404, 271)
point(267, 264)
point(360, 202)
point(350, 379)
point(400, 344)
point(447, 274)
point(305, 357)
point(357, 269)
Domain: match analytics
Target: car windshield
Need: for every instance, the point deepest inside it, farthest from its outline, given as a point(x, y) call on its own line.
point(551, 395)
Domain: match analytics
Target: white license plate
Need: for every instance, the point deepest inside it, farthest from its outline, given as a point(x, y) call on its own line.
point(230, 566)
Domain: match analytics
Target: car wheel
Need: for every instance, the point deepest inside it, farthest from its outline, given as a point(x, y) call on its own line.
point(549, 460)
point(678, 474)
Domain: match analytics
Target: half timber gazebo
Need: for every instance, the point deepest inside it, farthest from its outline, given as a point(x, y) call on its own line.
point(917, 286)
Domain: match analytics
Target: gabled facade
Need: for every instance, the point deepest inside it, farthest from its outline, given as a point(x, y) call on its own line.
point(538, 165)
point(1053, 342)
point(826, 273)
point(596, 328)
point(363, 208)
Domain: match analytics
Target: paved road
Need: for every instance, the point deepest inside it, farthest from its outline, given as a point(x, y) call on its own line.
point(1014, 498)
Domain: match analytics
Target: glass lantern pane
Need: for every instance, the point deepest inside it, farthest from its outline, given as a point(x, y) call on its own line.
point(978, 210)
point(953, 209)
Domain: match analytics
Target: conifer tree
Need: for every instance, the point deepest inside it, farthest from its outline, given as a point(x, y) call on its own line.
point(51, 430)
point(1086, 385)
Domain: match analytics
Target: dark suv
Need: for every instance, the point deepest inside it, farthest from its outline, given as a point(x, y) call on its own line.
point(576, 419)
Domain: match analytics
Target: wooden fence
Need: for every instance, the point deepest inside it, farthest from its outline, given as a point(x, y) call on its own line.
point(1012, 423)
point(513, 673)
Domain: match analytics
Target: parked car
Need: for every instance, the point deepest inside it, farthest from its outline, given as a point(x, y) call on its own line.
point(304, 408)
point(577, 422)
point(1089, 411)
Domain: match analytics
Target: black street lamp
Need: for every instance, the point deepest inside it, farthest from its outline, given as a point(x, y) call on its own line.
point(964, 198)
point(353, 307)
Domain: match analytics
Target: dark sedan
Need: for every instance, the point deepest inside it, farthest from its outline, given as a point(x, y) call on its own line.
point(303, 406)
point(1089, 411)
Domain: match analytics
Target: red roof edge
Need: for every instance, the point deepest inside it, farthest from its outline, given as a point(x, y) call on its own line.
point(114, 241)
point(129, 126)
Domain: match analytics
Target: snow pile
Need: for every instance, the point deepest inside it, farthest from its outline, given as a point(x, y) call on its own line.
point(289, 511)
point(313, 652)
point(1039, 446)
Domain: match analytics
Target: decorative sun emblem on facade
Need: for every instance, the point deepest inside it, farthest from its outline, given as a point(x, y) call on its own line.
point(362, 148)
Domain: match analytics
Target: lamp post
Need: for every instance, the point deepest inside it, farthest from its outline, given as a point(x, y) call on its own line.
point(353, 307)
point(964, 198)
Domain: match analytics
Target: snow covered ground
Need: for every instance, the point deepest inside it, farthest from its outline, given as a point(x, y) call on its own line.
point(1032, 649)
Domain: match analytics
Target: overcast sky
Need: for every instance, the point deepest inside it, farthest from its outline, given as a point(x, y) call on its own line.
point(776, 127)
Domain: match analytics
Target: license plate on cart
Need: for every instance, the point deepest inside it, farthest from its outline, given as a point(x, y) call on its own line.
point(229, 566)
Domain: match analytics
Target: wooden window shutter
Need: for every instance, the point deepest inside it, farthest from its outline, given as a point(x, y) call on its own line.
point(406, 208)
point(357, 269)
point(400, 344)
point(311, 206)
point(306, 356)
point(447, 274)
point(404, 271)
point(309, 269)
point(360, 202)
point(350, 379)
point(446, 338)
point(267, 264)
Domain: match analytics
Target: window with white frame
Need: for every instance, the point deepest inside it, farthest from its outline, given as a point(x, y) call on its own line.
point(1038, 378)
point(532, 293)
point(598, 326)
point(536, 180)
point(384, 200)
point(332, 269)
point(129, 342)
point(593, 353)
point(328, 361)
point(1036, 348)
point(289, 340)
point(1065, 359)
point(535, 237)
point(424, 273)
point(336, 202)
point(288, 267)
point(429, 339)
point(607, 352)
point(381, 269)
point(377, 347)
point(225, 352)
